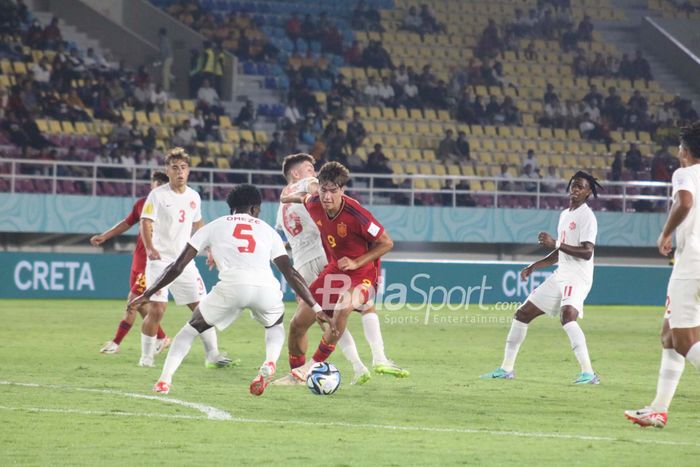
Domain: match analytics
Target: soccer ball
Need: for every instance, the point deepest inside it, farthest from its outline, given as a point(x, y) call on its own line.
point(323, 379)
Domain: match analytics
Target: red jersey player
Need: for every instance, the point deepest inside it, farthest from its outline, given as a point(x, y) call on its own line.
point(137, 278)
point(355, 241)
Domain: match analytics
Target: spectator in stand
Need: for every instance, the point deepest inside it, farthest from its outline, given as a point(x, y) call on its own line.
point(462, 147)
point(185, 136)
point(613, 108)
point(51, 36)
point(490, 43)
point(337, 147)
point(41, 73)
point(142, 97)
point(355, 162)
point(276, 147)
point(371, 92)
point(332, 40)
point(493, 111)
point(366, 18)
point(430, 22)
point(165, 51)
point(447, 149)
point(641, 68)
point(356, 133)
point(355, 55)
point(159, 98)
point(626, 68)
point(376, 56)
point(208, 98)
point(633, 159)
point(385, 93)
point(531, 161)
point(334, 104)
point(551, 183)
point(412, 21)
point(293, 29)
point(410, 97)
point(585, 29)
point(550, 96)
point(660, 165)
point(246, 116)
point(505, 179)
point(529, 173)
point(378, 163)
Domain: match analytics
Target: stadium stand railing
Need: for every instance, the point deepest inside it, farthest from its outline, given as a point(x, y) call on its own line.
point(59, 177)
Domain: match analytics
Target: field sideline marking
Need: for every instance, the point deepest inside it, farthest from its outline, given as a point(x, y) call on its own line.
point(225, 416)
point(212, 413)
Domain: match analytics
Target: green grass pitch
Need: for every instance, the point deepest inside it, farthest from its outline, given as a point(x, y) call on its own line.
point(76, 406)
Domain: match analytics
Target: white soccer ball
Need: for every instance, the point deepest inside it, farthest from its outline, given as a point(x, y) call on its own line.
point(323, 379)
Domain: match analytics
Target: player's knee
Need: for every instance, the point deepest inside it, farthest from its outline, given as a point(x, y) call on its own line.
point(522, 315)
point(568, 314)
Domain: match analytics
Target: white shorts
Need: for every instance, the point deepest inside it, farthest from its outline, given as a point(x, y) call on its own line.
point(223, 305)
point(556, 292)
point(187, 288)
point(683, 303)
point(311, 269)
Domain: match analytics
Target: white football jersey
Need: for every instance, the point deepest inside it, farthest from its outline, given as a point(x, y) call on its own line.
point(302, 234)
point(576, 227)
point(687, 255)
point(172, 214)
point(242, 247)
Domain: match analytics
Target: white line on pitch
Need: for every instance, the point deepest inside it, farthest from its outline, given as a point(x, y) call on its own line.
point(228, 417)
point(211, 412)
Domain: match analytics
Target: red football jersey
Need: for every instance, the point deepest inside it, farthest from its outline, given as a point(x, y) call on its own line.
point(350, 233)
point(139, 261)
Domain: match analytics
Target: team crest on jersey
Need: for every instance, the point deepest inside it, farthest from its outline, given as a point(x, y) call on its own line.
point(193, 205)
point(342, 230)
point(572, 226)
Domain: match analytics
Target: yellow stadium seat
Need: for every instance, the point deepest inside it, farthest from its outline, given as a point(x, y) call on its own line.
point(141, 117)
point(570, 161)
point(404, 141)
point(546, 133)
point(430, 114)
point(436, 128)
point(260, 136)
point(222, 163)
point(81, 128)
point(502, 145)
point(477, 130)
point(401, 154)
point(388, 113)
point(573, 147)
point(188, 105)
point(488, 145)
point(174, 105)
point(43, 125)
point(55, 127)
point(490, 130)
point(416, 114)
point(559, 147)
point(467, 170)
point(560, 133)
point(402, 114)
point(381, 127)
point(644, 137)
point(395, 127)
point(414, 155)
point(443, 115)
point(154, 118)
point(505, 132)
point(247, 135)
point(429, 155)
point(630, 136)
point(423, 128)
point(225, 121)
point(375, 112)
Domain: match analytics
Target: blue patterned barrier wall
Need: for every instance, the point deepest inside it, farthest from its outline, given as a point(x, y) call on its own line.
point(53, 275)
point(78, 214)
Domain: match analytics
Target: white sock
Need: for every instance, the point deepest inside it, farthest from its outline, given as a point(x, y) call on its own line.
point(373, 334)
point(347, 345)
point(178, 351)
point(670, 372)
point(516, 336)
point(274, 340)
point(693, 355)
point(148, 346)
point(211, 344)
point(578, 345)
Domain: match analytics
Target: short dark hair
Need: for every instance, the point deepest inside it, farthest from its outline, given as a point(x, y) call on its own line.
point(690, 138)
point(334, 172)
point(160, 177)
point(243, 196)
point(294, 159)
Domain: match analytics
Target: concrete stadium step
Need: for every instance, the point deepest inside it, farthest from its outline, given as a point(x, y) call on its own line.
point(72, 34)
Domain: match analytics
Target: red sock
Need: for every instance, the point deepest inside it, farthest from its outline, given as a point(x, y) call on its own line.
point(324, 351)
point(161, 334)
point(295, 361)
point(122, 331)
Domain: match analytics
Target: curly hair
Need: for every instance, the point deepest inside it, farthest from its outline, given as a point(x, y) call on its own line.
point(690, 138)
point(177, 154)
point(243, 196)
point(592, 182)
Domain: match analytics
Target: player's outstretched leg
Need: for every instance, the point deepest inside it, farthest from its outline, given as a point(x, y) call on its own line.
point(297, 342)
point(578, 344)
point(373, 333)
point(213, 358)
point(149, 331)
point(349, 349)
point(274, 340)
point(516, 336)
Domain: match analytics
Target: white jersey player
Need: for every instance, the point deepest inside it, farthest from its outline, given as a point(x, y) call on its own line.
point(305, 240)
point(681, 327)
point(563, 293)
point(169, 216)
point(242, 247)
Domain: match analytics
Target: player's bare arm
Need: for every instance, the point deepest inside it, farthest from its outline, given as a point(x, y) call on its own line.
point(115, 231)
point(299, 191)
point(584, 251)
point(147, 237)
point(197, 225)
point(171, 272)
point(549, 260)
point(679, 211)
point(294, 279)
point(379, 248)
